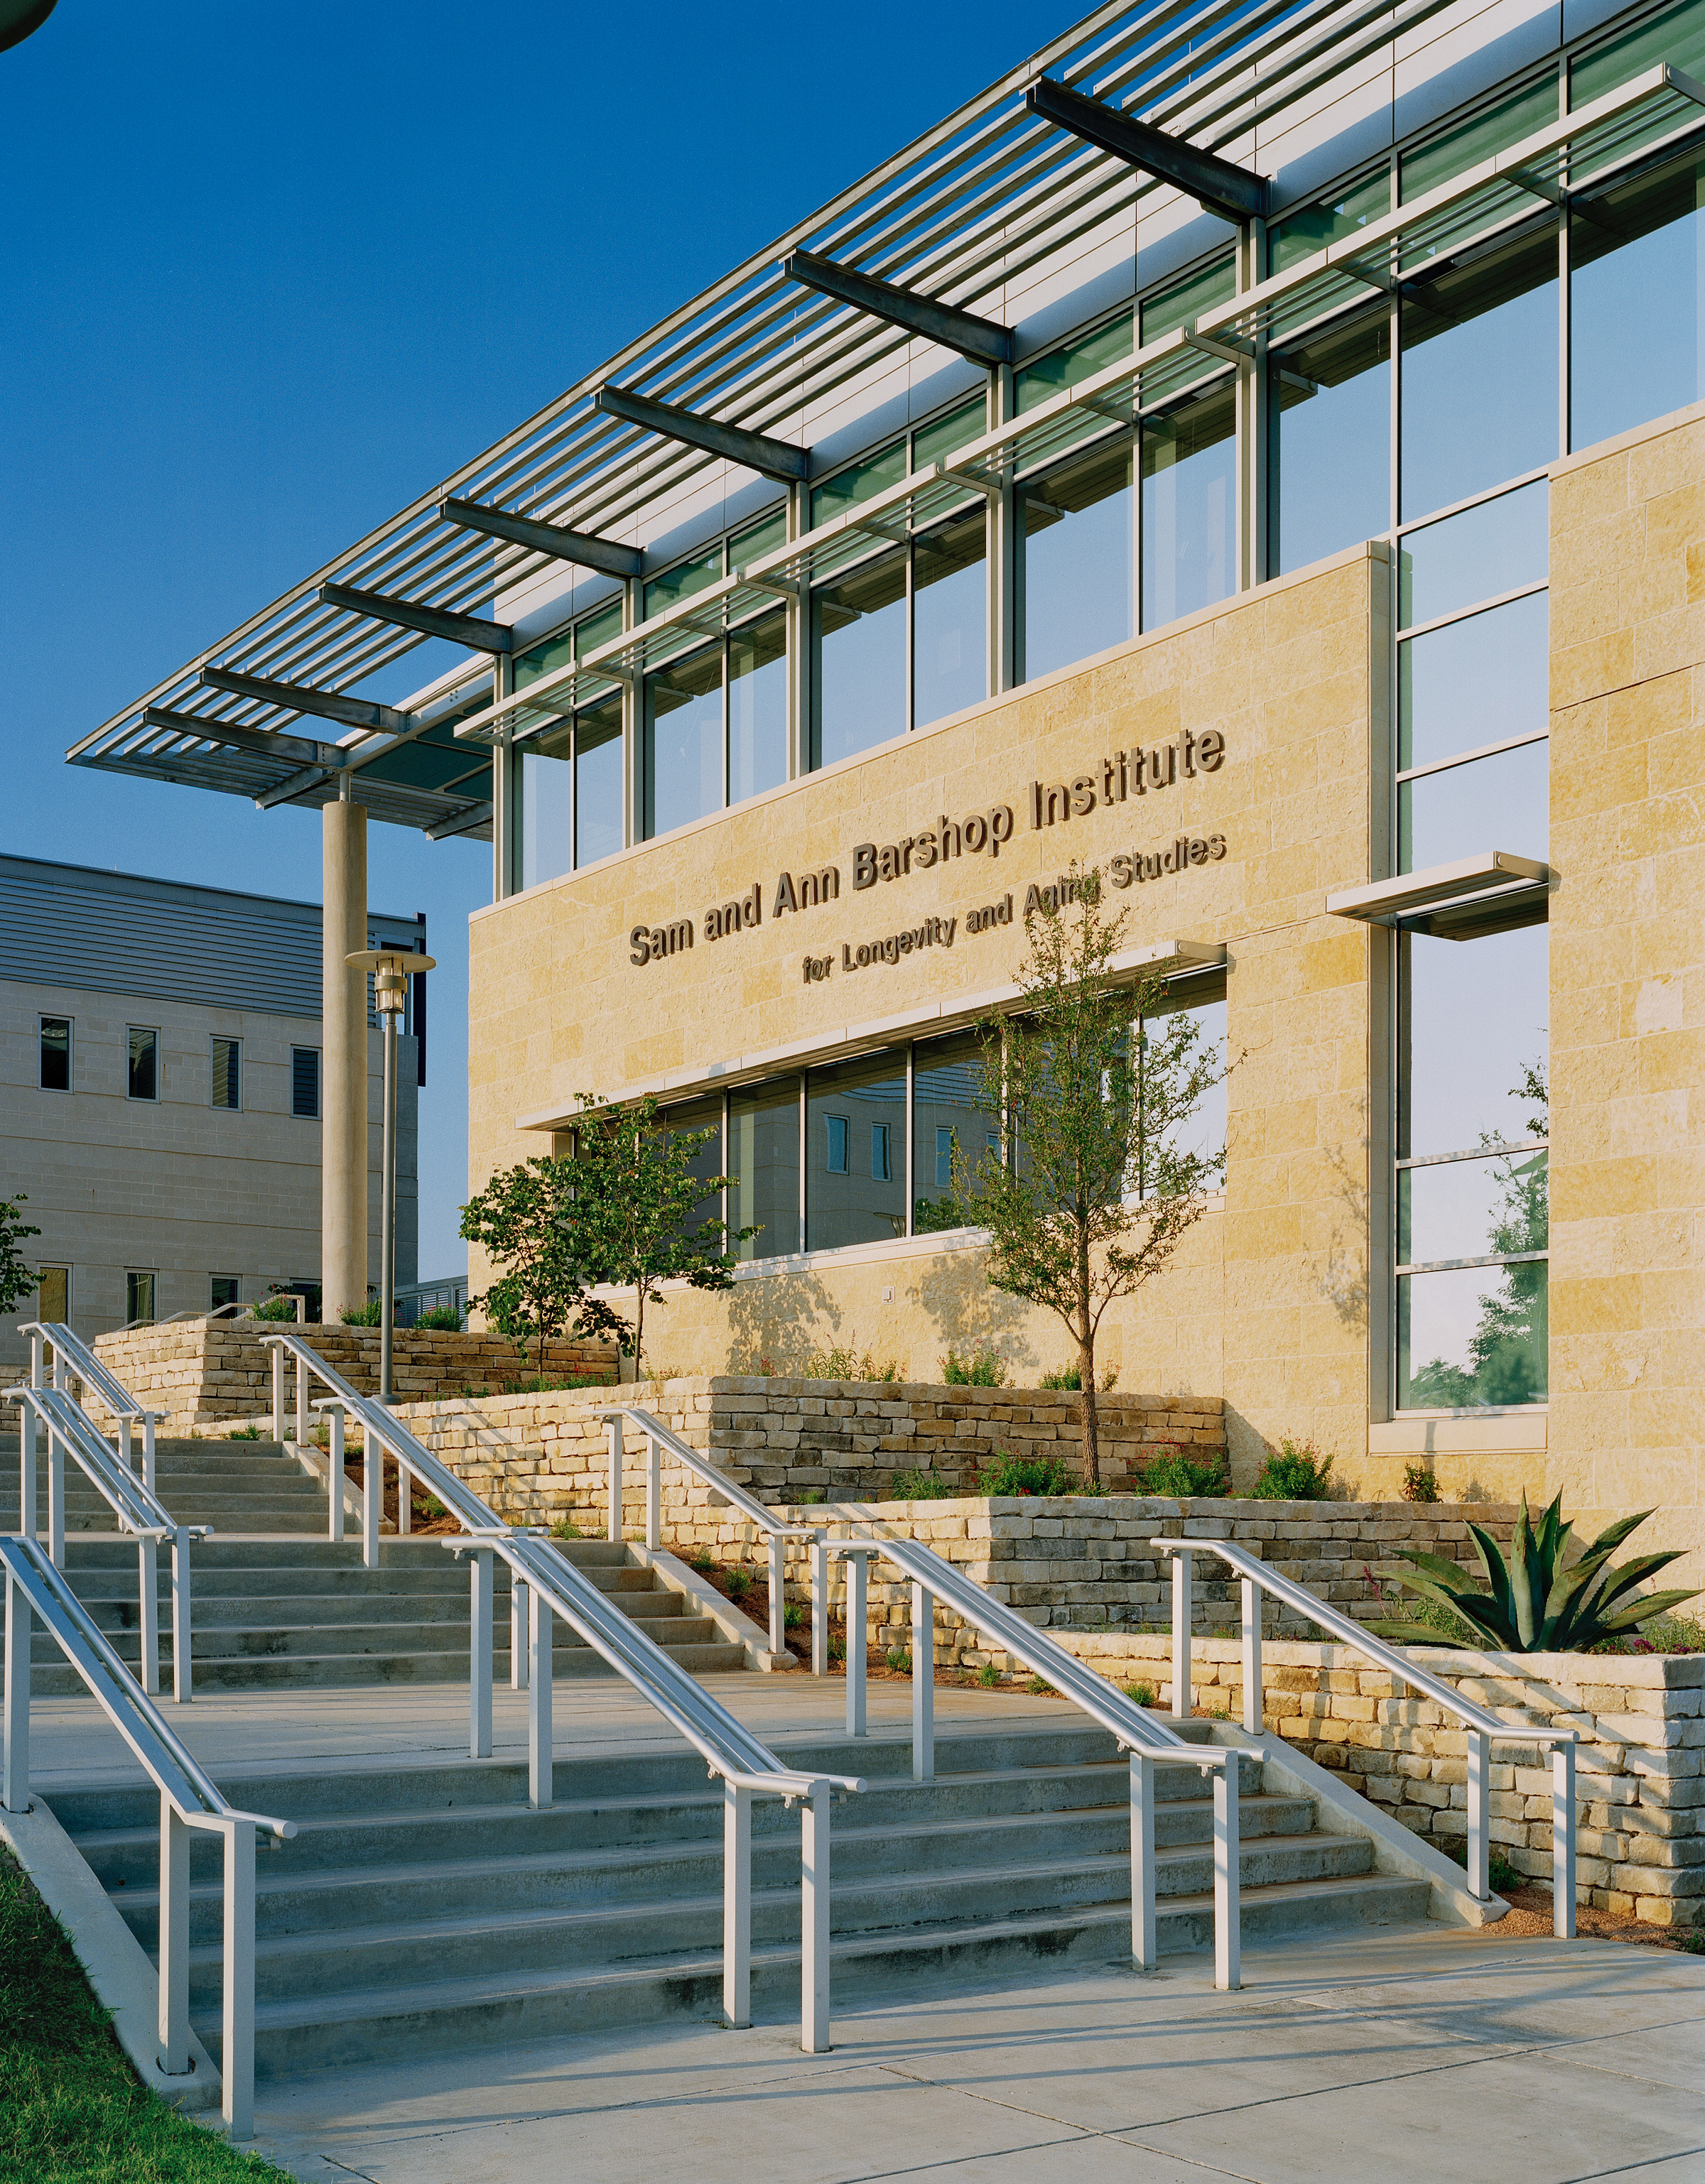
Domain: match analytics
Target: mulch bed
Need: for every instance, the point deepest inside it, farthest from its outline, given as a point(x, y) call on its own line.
point(1530, 1915)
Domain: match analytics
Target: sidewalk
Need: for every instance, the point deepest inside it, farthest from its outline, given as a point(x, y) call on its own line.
point(1411, 2056)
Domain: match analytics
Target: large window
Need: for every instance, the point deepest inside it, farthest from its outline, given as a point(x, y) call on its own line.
point(1190, 508)
point(717, 725)
point(304, 1083)
point(856, 1152)
point(142, 1072)
point(1636, 290)
point(228, 1075)
point(53, 1296)
point(1331, 484)
point(568, 783)
point(763, 1157)
point(139, 1295)
point(55, 1054)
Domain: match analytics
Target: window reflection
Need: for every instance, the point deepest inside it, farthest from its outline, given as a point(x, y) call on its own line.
point(854, 1127)
point(1074, 528)
point(948, 1086)
point(858, 648)
point(1473, 1338)
point(1332, 482)
point(1190, 509)
point(696, 1116)
point(546, 817)
point(1646, 270)
point(598, 798)
point(949, 618)
point(1497, 803)
point(758, 708)
point(683, 742)
point(1497, 546)
point(764, 1168)
point(1471, 1025)
point(1472, 1209)
point(1473, 682)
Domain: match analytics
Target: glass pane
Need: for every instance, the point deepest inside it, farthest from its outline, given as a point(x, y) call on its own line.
point(848, 1108)
point(1472, 1019)
point(1472, 1338)
point(680, 583)
point(1479, 375)
point(683, 742)
point(1075, 543)
point(54, 1298)
point(1333, 466)
point(222, 1289)
point(1051, 375)
point(1203, 1131)
point(1647, 276)
point(858, 482)
point(858, 635)
point(950, 664)
point(304, 1082)
point(545, 658)
point(758, 708)
point(1678, 36)
point(700, 1115)
point(144, 1054)
point(597, 629)
point(947, 1084)
point(1472, 1209)
point(598, 783)
point(930, 442)
point(1478, 682)
point(764, 1168)
point(1182, 301)
point(1470, 141)
point(1299, 235)
point(56, 1054)
point(763, 536)
point(1190, 509)
point(139, 1297)
point(226, 1073)
point(1500, 803)
point(544, 778)
point(1475, 555)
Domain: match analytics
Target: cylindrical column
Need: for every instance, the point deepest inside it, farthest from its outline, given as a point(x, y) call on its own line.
point(388, 1214)
point(343, 1073)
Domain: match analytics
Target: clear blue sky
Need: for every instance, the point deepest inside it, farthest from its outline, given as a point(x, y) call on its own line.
point(267, 273)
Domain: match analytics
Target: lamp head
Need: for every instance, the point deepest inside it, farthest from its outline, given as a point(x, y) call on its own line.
point(392, 969)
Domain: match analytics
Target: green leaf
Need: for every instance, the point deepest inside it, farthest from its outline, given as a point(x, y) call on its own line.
point(1642, 1610)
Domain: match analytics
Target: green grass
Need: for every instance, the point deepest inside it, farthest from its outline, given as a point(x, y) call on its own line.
point(71, 2108)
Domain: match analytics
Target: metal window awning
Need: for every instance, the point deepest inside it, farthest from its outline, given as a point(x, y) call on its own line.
point(1496, 879)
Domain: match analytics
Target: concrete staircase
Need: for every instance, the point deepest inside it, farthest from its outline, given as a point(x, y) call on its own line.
point(432, 1908)
point(244, 1487)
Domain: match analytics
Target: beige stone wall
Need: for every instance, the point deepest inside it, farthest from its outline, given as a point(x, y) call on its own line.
point(1628, 982)
point(1267, 1304)
point(1639, 1765)
point(202, 1371)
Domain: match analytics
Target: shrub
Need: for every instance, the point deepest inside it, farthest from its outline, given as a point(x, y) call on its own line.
point(562, 1530)
point(898, 1659)
point(981, 1369)
point(1144, 1694)
point(1420, 1482)
point(989, 1675)
point(1182, 1477)
point(361, 1315)
point(1538, 1601)
point(277, 1307)
point(793, 1616)
point(1038, 1687)
point(925, 1485)
point(848, 1365)
point(1069, 1377)
point(544, 1385)
point(1295, 1471)
point(1500, 1876)
point(1010, 1474)
point(739, 1584)
point(838, 1647)
point(444, 1319)
point(245, 1433)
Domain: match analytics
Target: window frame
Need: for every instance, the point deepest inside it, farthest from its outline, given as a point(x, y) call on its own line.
point(43, 1021)
point(152, 1032)
point(224, 1107)
point(296, 1113)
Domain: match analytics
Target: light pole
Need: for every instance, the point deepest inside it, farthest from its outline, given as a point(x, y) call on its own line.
point(392, 969)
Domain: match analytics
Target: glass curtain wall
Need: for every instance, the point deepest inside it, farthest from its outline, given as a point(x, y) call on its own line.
point(855, 1140)
point(568, 775)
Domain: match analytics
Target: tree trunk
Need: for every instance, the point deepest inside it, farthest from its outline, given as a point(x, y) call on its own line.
point(1092, 1433)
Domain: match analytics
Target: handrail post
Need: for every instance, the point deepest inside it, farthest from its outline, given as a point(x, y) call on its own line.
point(174, 1940)
point(480, 1653)
point(614, 1424)
point(820, 1605)
point(405, 1495)
point(27, 1472)
point(236, 2058)
point(540, 1772)
point(778, 1594)
point(922, 1684)
point(1563, 1840)
point(1479, 1754)
point(1228, 1954)
point(1181, 1632)
point(653, 1493)
point(126, 1451)
point(277, 1348)
point(1142, 1860)
point(182, 1666)
point(148, 1615)
point(36, 1358)
point(737, 1905)
point(1252, 1706)
point(372, 1496)
point(334, 1472)
point(301, 1406)
point(56, 1500)
point(149, 1421)
point(857, 1563)
point(518, 1632)
point(814, 1919)
point(14, 1760)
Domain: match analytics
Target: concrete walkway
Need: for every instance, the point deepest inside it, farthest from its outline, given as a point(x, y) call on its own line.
point(1410, 2057)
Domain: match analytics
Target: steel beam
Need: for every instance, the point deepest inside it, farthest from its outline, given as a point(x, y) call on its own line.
point(1216, 184)
point(295, 785)
point(471, 630)
point(982, 340)
point(578, 546)
point(296, 750)
point(302, 697)
point(462, 823)
point(757, 451)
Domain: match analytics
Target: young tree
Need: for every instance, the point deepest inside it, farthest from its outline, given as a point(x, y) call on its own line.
point(17, 1280)
point(524, 1222)
point(638, 1208)
point(1090, 1085)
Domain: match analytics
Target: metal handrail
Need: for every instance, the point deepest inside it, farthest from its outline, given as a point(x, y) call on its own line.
point(189, 1799)
point(1149, 1742)
point(1482, 1728)
point(140, 1511)
point(72, 1353)
point(546, 1586)
point(658, 1437)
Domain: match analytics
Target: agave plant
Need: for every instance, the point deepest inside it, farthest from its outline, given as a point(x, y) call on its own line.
point(1536, 1604)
